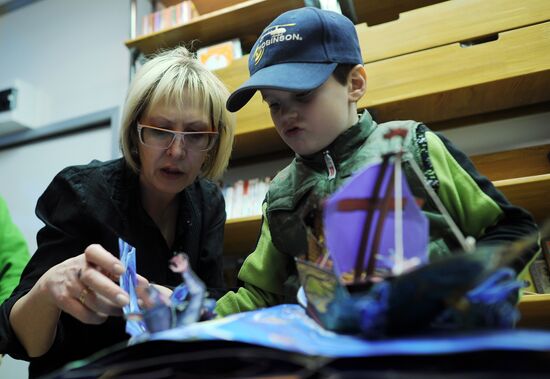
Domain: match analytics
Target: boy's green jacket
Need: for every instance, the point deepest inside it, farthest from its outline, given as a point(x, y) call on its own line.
point(14, 253)
point(269, 273)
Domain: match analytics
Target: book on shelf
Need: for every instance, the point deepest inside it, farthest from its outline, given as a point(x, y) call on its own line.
point(221, 54)
point(244, 198)
point(168, 17)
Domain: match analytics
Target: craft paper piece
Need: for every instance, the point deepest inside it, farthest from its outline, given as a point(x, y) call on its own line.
point(347, 210)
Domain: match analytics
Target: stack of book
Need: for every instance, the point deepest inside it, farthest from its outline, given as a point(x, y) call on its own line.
point(244, 198)
point(168, 17)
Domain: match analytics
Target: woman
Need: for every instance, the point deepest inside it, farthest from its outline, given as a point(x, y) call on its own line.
point(175, 136)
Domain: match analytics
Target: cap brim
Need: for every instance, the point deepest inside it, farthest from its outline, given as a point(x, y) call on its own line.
point(293, 77)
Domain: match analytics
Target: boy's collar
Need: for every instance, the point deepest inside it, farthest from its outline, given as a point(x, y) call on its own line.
point(344, 145)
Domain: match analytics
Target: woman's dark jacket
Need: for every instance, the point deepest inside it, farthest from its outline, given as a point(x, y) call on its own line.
point(98, 203)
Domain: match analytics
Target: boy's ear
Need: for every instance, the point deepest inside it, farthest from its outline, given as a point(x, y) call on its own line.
point(357, 83)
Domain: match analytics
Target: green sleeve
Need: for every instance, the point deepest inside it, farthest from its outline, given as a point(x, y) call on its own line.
point(470, 207)
point(13, 251)
point(263, 272)
point(479, 209)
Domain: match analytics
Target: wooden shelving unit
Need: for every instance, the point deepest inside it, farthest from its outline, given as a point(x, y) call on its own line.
point(451, 81)
point(463, 21)
point(377, 12)
point(245, 20)
point(523, 175)
point(422, 66)
point(529, 192)
point(518, 163)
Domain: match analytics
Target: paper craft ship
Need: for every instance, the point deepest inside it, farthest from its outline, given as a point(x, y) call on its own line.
point(187, 304)
point(368, 273)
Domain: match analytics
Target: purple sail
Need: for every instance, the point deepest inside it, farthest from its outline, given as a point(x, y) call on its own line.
point(347, 212)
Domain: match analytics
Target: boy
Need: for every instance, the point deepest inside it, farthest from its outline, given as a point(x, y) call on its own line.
point(308, 67)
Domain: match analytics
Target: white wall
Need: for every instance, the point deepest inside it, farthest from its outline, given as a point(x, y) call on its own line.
point(26, 172)
point(73, 52)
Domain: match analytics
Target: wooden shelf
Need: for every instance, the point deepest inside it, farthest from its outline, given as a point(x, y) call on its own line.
point(169, 3)
point(439, 82)
point(444, 23)
point(241, 235)
point(523, 175)
point(529, 192)
point(207, 6)
point(377, 12)
point(535, 311)
point(529, 161)
point(433, 85)
point(245, 20)
point(451, 81)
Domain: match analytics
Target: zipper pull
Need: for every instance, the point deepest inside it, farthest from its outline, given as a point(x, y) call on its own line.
point(331, 167)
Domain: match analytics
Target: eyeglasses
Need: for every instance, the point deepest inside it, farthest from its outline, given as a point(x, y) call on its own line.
point(159, 138)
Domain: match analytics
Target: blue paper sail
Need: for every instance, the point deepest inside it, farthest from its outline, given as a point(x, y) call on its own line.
point(347, 211)
point(128, 282)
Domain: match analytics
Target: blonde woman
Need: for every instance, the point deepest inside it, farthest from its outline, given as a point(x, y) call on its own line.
point(175, 137)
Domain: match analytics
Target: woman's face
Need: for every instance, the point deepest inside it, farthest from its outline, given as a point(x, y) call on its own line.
point(166, 172)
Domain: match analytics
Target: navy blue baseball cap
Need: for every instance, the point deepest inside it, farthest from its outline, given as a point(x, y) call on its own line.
point(298, 52)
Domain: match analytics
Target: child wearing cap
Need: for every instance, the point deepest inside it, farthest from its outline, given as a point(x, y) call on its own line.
point(307, 64)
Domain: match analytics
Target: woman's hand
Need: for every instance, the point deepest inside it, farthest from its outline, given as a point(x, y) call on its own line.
point(83, 286)
point(86, 286)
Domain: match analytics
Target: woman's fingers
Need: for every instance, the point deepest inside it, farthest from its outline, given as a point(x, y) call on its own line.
point(95, 302)
point(83, 313)
point(97, 256)
point(86, 286)
point(102, 270)
point(103, 286)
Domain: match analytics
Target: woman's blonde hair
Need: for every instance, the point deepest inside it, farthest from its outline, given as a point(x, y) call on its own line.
point(177, 77)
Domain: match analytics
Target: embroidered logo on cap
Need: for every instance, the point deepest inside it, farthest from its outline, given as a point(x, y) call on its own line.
point(274, 34)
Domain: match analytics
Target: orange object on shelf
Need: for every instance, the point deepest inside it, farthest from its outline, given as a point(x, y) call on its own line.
point(220, 55)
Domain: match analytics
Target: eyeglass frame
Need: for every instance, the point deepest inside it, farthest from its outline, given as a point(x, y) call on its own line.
point(174, 133)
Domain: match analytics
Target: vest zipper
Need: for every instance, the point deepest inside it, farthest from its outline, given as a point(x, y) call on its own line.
point(331, 167)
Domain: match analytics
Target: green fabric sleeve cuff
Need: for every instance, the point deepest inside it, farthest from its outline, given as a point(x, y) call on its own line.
point(264, 272)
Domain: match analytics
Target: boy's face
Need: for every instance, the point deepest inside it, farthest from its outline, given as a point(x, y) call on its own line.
point(309, 121)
